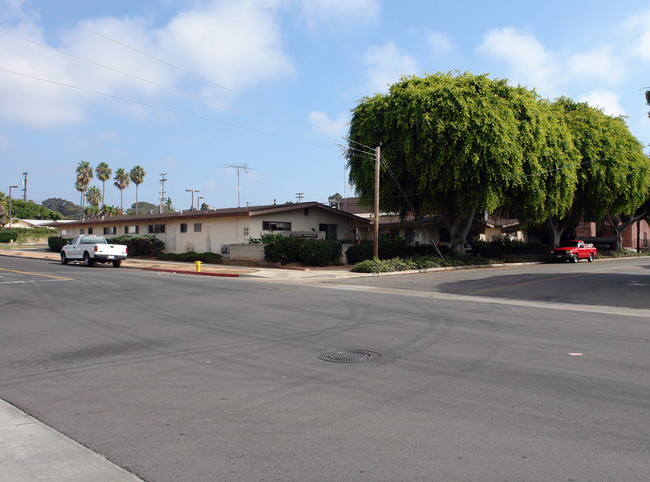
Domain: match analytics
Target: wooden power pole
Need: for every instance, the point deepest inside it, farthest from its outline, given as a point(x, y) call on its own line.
point(375, 249)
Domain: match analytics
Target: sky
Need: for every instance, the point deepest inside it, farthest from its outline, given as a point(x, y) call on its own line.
point(188, 88)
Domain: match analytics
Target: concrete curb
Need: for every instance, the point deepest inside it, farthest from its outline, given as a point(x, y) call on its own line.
point(31, 450)
point(182, 271)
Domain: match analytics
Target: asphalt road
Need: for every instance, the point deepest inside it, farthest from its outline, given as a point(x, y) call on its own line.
point(528, 373)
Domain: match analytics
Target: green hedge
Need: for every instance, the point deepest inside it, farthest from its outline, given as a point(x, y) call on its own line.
point(56, 243)
point(388, 249)
point(140, 245)
point(312, 252)
point(8, 235)
point(190, 256)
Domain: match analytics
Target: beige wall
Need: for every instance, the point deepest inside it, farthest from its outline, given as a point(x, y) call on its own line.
point(219, 231)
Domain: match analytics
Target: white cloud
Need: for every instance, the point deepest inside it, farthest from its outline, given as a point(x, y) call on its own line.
point(609, 102)
point(234, 44)
point(440, 43)
point(601, 65)
point(638, 26)
point(237, 44)
point(530, 63)
point(340, 11)
point(386, 64)
point(321, 121)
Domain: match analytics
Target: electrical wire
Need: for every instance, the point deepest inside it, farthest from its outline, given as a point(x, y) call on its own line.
point(158, 107)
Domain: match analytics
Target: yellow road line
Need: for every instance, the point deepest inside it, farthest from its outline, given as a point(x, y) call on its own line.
point(37, 274)
point(532, 282)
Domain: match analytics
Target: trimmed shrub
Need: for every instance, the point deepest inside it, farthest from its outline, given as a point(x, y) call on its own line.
point(140, 245)
point(312, 252)
point(320, 252)
point(190, 256)
point(8, 235)
point(55, 243)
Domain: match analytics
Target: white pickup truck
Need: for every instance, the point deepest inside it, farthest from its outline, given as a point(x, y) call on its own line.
point(93, 249)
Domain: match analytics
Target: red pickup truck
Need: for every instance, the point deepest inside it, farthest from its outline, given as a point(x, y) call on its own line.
point(574, 251)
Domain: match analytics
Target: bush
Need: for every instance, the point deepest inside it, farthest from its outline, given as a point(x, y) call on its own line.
point(312, 252)
point(8, 235)
point(140, 245)
point(388, 250)
point(502, 248)
point(190, 256)
point(55, 243)
point(319, 252)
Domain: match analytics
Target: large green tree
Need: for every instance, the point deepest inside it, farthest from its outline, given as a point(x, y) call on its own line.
point(458, 146)
point(137, 177)
point(103, 174)
point(614, 173)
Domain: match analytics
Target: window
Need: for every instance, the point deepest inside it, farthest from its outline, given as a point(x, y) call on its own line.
point(156, 228)
point(306, 211)
point(246, 231)
point(110, 230)
point(444, 235)
point(131, 229)
point(90, 230)
point(183, 227)
point(81, 231)
point(329, 230)
point(65, 232)
point(197, 227)
point(276, 226)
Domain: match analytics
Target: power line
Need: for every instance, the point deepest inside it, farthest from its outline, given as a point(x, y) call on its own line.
point(171, 65)
point(166, 109)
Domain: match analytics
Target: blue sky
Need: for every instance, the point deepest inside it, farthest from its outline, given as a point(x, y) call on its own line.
point(187, 87)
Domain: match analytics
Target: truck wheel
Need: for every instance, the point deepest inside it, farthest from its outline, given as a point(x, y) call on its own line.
point(575, 258)
point(117, 264)
point(591, 257)
point(87, 261)
point(64, 260)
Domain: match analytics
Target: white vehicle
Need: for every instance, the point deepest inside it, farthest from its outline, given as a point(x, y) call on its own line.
point(93, 249)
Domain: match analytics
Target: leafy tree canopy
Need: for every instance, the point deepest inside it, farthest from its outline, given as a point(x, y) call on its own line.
point(68, 209)
point(457, 145)
point(30, 210)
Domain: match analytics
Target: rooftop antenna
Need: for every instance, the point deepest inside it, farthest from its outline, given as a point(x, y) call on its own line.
point(239, 167)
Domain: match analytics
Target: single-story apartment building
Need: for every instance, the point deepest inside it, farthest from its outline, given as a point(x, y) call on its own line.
point(430, 229)
point(214, 230)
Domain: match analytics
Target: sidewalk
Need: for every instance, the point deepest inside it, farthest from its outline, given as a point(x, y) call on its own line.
point(207, 269)
point(30, 451)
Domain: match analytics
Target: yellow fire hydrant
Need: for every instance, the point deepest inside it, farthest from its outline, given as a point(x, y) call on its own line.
point(198, 266)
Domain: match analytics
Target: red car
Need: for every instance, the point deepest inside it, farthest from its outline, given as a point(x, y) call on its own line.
point(574, 251)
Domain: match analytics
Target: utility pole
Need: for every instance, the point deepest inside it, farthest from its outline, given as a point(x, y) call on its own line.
point(239, 167)
point(25, 186)
point(162, 190)
point(375, 249)
point(10, 188)
point(192, 191)
point(300, 195)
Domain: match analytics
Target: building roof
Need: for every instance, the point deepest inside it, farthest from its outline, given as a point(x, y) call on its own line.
point(249, 211)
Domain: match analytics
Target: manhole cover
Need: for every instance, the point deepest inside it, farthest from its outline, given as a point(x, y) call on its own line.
point(351, 355)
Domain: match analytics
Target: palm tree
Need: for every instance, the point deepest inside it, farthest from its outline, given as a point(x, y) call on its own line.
point(94, 196)
point(84, 175)
point(137, 176)
point(122, 181)
point(103, 174)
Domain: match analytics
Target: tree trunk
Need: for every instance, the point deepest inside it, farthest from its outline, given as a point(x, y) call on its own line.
point(555, 228)
point(459, 228)
point(618, 224)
